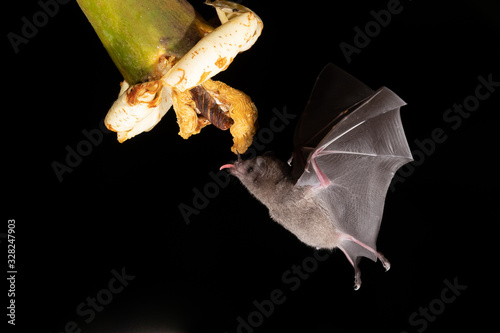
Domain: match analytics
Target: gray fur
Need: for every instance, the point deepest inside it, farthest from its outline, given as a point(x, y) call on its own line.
point(269, 180)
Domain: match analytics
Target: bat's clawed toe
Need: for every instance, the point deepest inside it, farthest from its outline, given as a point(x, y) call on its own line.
point(385, 262)
point(357, 278)
point(357, 283)
point(387, 265)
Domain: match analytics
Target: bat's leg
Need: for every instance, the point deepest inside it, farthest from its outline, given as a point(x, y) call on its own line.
point(357, 272)
point(380, 256)
point(357, 275)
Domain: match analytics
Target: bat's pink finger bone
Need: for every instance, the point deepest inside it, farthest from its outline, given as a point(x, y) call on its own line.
point(226, 166)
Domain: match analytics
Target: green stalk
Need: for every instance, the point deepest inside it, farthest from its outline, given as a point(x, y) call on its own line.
point(137, 33)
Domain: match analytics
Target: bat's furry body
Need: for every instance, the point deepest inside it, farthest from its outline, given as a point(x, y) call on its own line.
point(270, 181)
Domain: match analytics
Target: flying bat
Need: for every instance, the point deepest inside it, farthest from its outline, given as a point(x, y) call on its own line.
point(348, 144)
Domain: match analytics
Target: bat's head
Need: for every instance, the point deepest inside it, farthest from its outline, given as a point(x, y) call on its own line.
point(258, 173)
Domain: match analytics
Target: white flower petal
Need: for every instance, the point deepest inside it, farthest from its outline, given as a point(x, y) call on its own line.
point(138, 108)
point(215, 52)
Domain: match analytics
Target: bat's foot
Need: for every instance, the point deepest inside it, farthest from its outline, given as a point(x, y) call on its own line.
point(357, 278)
point(385, 262)
point(380, 256)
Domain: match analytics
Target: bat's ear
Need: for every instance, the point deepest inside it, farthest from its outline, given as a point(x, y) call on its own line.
point(261, 162)
point(269, 154)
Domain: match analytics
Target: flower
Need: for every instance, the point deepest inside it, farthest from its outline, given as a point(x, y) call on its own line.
point(141, 106)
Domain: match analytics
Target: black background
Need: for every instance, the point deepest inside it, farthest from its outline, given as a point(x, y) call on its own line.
point(119, 207)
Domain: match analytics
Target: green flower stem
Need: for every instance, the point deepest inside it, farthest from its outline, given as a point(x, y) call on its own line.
point(137, 33)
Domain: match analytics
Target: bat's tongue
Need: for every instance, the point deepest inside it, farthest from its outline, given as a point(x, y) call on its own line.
point(227, 166)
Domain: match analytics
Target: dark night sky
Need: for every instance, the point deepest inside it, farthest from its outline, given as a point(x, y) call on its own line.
point(118, 210)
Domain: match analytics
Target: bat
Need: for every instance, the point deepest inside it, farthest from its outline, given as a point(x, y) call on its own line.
point(348, 144)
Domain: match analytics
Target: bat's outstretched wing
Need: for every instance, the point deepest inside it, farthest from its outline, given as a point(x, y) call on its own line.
point(349, 144)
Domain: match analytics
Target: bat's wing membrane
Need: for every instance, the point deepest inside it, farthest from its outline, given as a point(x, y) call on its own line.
point(352, 165)
point(334, 92)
